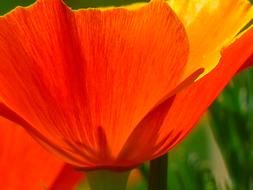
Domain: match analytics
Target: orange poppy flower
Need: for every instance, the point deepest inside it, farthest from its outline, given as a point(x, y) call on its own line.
point(24, 164)
point(113, 88)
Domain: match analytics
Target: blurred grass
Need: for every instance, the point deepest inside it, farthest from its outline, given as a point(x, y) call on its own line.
point(232, 123)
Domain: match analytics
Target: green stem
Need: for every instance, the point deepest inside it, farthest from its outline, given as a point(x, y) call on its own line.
point(107, 180)
point(158, 173)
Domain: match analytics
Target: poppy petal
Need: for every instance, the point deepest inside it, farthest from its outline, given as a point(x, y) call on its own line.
point(144, 137)
point(26, 165)
point(247, 64)
point(211, 25)
point(190, 104)
point(82, 79)
point(68, 179)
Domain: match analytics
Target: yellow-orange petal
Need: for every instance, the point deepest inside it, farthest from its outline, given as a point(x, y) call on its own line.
point(26, 165)
point(189, 105)
point(211, 25)
point(81, 81)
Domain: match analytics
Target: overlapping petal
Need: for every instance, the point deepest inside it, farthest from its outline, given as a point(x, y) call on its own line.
point(68, 179)
point(26, 165)
point(211, 25)
point(190, 104)
point(84, 80)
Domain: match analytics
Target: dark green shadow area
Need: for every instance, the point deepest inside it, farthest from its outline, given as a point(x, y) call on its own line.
point(8, 5)
point(77, 4)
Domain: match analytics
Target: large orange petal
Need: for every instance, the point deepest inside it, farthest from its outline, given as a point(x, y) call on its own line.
point(26, 165)
point(211, 25)
point(189, 105)
point(81, 81)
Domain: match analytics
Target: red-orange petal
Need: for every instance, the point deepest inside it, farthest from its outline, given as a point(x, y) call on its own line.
point(247, 64)
point(189, 105)
point(68, 179)
point(81, 81)
point(26, 165)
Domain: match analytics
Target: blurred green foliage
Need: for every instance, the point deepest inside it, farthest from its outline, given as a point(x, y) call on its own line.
point(8, 5)
point(232, 123)
point(192, 165)
point(99, 3)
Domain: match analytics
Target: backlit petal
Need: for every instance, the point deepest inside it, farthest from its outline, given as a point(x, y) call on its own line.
point(211, 25)
point(189, 105)
point(81, 81)
point(26, 165)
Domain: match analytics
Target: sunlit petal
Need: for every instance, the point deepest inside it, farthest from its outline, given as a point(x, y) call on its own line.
point(83, 80)
point(190, 104)
point(211, 25)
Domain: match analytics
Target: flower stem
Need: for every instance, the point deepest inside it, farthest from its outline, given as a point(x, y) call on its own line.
point(107, 180)
point(158, 173)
